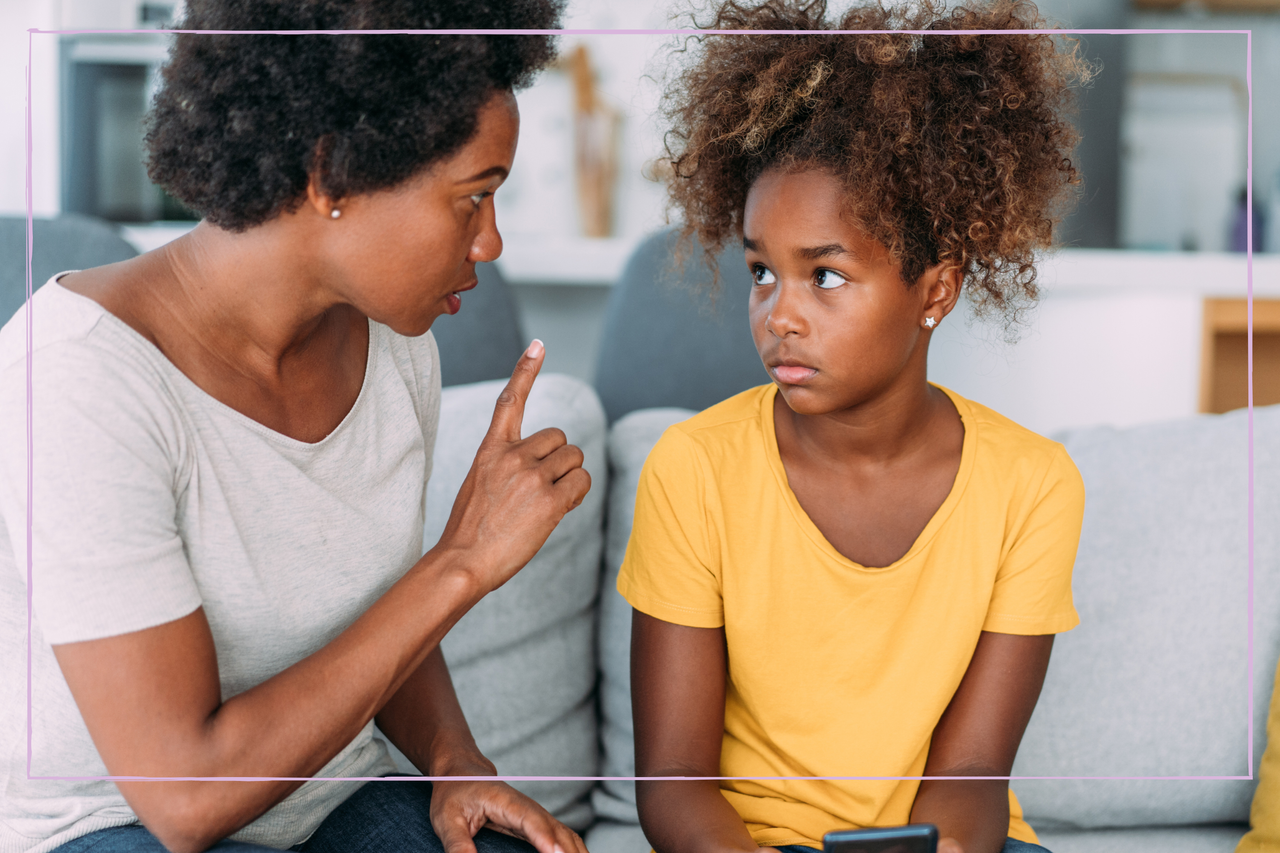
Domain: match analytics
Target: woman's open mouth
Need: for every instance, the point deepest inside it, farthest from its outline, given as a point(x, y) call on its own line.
point(453, 302)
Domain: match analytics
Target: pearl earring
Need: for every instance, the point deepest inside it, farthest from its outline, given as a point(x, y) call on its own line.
point(929, 322)
point(335, 213)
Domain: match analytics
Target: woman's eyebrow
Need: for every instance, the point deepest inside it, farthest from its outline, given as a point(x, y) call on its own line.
point(487, 173)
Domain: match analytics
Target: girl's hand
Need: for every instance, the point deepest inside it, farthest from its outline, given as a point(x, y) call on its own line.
point(517, 489)
point(949, 845)
point(461, 809)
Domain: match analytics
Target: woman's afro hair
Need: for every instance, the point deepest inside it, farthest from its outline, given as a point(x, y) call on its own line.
point(241, 122)
point(951, 148)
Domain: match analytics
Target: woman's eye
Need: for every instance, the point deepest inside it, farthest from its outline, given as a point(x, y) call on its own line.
point(763, 275)
point(477, 198)
point(829, 279)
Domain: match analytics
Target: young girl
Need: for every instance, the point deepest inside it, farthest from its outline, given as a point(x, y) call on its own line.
point(853, 572)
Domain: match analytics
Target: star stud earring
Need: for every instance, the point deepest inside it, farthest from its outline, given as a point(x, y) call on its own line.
point(929, 322)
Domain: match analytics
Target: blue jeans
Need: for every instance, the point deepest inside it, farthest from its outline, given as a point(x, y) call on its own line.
point(1011, 845)
point(382, 817)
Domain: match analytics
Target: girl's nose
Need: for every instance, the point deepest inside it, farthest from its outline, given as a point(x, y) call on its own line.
point(786, 314)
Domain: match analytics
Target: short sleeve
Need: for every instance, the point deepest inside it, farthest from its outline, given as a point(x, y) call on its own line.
point(668, 571)
point(1032, 593)
point(107, 558)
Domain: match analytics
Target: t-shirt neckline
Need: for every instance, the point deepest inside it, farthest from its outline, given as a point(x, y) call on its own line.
point(967, 452)
point(244, 420)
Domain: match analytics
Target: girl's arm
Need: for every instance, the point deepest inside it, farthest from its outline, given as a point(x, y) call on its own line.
point(978, 735)
point(151, 699)
point(677, 700)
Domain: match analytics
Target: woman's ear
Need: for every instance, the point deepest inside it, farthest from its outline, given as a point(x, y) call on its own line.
point(321, 202)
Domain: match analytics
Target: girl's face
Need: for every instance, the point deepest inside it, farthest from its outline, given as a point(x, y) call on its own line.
point(831, 317)
point(403, 256)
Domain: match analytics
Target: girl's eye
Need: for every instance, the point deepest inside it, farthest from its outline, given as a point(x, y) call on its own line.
point(763, 275)
point(829, 279)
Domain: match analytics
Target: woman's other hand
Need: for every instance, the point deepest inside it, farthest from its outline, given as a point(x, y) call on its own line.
point(461, 809)
point(517, 489)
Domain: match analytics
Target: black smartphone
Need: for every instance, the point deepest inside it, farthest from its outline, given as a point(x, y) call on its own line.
point(913, 838)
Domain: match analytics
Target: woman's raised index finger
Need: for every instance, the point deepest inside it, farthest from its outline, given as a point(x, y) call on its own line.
point(509, 411)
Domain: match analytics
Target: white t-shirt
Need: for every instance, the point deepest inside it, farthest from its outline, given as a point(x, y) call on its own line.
point(151, 499)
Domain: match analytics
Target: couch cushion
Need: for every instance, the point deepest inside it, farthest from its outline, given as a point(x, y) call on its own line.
point(523, 659)
point(1154, 682)
point(630, 441)
point(1184, 839)
point(611, 837)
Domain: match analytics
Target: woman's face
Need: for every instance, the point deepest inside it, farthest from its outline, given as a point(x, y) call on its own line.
point(403, 256)
point(831, 317)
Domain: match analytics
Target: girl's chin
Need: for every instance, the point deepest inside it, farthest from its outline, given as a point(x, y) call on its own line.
point(805, 400)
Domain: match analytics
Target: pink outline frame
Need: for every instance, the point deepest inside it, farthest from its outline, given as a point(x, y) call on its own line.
point(1248, 78)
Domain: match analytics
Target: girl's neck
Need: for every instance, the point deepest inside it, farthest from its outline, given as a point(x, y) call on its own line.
point(893, 425)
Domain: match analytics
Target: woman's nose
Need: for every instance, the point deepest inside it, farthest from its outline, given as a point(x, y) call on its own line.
point(487, 245)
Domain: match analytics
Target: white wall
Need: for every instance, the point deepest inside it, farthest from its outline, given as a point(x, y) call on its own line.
point(16, 16)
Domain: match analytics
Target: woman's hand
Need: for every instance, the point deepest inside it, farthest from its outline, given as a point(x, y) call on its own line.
point(949, 845)
point(461, 809)
point(517, 489)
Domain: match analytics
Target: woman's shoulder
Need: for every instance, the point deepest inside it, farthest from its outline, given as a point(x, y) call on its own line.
point(74, 341)
point(85, 367)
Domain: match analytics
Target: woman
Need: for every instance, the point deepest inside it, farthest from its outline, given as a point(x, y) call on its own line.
point(232, 436)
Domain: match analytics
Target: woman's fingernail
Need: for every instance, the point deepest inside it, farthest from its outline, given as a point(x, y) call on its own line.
point(535, 349)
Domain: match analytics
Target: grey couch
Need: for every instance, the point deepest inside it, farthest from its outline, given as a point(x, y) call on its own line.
point(1154, 682)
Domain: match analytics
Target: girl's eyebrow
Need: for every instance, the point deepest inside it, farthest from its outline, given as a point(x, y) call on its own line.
point(818, 252)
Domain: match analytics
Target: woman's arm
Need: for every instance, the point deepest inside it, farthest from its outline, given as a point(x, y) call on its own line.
point(151, 699)
point(677, 700)
point(978, 735)
point(424, 720)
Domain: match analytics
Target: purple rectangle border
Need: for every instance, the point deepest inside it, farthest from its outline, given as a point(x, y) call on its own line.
point(1248, 220)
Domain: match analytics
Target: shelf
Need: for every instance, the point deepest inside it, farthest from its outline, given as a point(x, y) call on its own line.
point(1224, 354)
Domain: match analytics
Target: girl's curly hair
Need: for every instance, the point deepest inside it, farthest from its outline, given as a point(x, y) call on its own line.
point(951, 148)
point(242, 121)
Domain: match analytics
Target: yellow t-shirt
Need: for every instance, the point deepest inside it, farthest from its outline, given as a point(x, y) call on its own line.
point(836, 669)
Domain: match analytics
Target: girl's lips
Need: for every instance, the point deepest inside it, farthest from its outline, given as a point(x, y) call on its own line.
point(790, 374)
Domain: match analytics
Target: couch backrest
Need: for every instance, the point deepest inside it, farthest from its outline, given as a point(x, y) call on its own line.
point(70, 242)
point(1155, 680)
point(667, 340)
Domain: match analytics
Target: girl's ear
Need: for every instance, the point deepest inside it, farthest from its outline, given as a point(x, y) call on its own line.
point(942, 283)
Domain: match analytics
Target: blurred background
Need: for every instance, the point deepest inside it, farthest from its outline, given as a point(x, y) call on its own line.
point(1143, 315)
